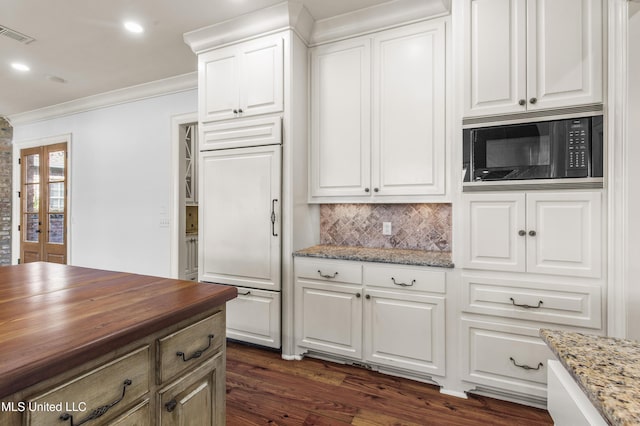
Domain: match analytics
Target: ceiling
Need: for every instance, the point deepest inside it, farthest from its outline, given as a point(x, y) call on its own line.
point(81, 48)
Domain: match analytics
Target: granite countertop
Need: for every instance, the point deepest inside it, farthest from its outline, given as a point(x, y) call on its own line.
point(383, 255)
point(605, 368)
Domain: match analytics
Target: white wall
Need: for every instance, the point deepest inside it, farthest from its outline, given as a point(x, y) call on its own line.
point(633, 129)
point(120, 182)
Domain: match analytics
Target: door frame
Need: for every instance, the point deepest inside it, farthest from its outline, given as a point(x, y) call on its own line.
point(17, 182)
point(177, 197)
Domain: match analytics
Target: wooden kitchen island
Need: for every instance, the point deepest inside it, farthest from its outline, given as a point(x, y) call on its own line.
point(85, 346)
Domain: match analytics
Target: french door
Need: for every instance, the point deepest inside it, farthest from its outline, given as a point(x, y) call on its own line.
point(43, 204)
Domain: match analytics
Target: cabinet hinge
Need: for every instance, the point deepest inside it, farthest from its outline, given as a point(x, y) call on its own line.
point(19, 161)
point(18, 227)
point(18, 194)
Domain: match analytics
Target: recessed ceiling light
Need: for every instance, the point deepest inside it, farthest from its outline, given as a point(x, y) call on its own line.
point(20, 67)
point(133, 27)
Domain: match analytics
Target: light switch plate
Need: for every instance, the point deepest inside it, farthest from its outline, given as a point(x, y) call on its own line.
point(386, 228)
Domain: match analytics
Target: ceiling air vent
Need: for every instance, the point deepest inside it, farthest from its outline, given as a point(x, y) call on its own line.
point(22, 38)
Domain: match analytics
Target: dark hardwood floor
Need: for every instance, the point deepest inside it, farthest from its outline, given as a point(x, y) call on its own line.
point(264, 389)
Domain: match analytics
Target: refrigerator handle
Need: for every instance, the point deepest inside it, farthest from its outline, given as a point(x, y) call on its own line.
point(273, 217)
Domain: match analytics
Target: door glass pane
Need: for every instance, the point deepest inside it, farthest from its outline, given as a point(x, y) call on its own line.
point(33, 168)
point(56, 166)
point(32, 198)
point(56, 197)
point(32, 229)
point(56, 228)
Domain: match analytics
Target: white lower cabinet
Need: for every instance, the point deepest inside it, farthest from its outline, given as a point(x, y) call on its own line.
point(506, 357)
point(383, 315)
point(254, 317)
point(404, 330)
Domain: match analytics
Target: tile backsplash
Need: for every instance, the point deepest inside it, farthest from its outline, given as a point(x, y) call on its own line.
point(413, 226)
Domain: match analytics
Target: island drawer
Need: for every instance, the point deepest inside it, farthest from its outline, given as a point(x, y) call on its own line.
point(407, 278)
point(343, 271)
point(569, 304)
point(190, 345)
point(505, 356)
point(112, 388)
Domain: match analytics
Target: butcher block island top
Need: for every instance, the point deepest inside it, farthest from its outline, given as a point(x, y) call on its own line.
point(57, 317)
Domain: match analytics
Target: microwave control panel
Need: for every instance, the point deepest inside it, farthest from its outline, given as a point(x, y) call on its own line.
point(578, 146)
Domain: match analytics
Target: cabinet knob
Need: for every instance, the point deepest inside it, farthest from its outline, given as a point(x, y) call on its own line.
point(533, 100)
point(358, 295)
point(366, 190)
point(367, 296)
point(235, 111)
point(522, 233)
point(240, 110)
point(532, 233)
point(376, 189)
point(522, 102)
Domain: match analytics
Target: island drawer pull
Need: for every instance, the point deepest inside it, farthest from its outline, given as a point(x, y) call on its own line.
point(524, 366)
point(98, 411)
point(198, 353)
point(171, 405)
point(335, 274)
point(524, 305)
point(403, 284)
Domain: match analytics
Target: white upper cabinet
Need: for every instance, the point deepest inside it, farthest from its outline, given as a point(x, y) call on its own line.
point(378, 116)
point(409, 111)
point(241, 80)
point(526, 55)
point(556, 233)
point(341, 119)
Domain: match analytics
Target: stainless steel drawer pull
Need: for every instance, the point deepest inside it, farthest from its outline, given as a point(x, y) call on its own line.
point(198, 353)
point(524, 366)
point(98, 411)
point(524, 305)
point(335, 274)
point(403, 284)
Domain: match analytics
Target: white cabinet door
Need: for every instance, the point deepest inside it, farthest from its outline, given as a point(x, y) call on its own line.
point(527, 55)
point(493, 226)
point(254, 317)
point(239, 196)
point(409, 111)
point(564, 53)
point(495, 56)
point(262, 76)
point(329, 317)
point(556, 233)
point(218, 83)
point(241, 80)
point(564, 233)
point(341, 119)
point(405, 330)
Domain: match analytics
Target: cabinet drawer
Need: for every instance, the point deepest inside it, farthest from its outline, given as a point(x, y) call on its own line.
point(140, 415)
point(329, 270)
point(400, 277)
point(242, 133)
point(188, 346)
point(254, 317)
point(506, 357)
point(568, 304)
point(119, 382)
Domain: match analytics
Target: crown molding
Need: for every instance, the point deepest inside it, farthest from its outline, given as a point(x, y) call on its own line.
point(283, 16)
point(376, 18)
point(179, 83)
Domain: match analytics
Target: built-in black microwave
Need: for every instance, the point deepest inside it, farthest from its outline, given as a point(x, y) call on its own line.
point(556, 149)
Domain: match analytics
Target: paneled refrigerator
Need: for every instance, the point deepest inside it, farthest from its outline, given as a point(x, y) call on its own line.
point(240, 241)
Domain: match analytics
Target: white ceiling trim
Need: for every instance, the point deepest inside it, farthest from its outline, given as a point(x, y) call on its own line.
point(283, 16)
point(375, 18)
point(152, 89)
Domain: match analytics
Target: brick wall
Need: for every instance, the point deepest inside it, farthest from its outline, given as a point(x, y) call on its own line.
point(6, 134)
